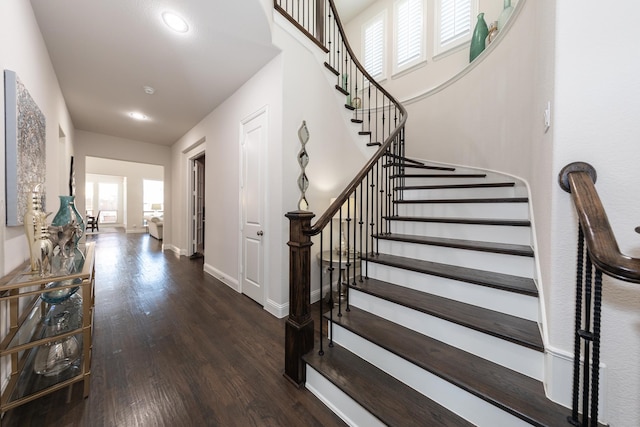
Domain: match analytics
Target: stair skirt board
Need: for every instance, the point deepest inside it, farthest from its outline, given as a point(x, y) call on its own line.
point(512, 303)
point(339, 402)
point(485, 233)
point(457, 193)
point(497, 350)
point(508, 210)
point(455, 399)
point(515, 265)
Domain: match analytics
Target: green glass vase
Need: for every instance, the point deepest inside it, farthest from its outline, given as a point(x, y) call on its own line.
point(480, 33)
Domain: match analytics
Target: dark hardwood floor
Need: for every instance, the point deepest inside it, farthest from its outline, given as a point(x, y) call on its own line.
point(175, 347)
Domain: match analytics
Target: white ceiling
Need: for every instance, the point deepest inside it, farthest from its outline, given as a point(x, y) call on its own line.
point(105, 51)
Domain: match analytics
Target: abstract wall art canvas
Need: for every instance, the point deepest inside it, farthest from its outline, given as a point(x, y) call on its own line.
point(25, 147)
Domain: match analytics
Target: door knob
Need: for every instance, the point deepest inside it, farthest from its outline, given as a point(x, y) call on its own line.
point(260, 233)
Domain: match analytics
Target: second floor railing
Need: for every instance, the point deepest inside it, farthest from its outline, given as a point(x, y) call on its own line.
point(346, 230)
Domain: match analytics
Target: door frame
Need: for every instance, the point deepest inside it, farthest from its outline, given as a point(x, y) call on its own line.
point(190, 154)
point(266, 237)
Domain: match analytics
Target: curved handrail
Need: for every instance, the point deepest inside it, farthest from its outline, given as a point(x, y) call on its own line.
point(579, 179)
point(333, 209)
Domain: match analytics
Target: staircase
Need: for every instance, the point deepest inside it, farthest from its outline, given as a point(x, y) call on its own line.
point(443, 328)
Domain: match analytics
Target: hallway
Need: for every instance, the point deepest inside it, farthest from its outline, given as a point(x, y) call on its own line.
point(175, 347)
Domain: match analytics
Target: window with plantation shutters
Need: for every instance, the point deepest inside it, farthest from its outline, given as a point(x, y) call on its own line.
point(409, 33)
point(453, 23)
point(373, 46)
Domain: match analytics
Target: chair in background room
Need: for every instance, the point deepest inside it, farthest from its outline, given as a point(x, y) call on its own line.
point(92, 221)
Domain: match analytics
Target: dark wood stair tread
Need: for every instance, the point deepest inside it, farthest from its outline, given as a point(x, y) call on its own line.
point(513, 329)
point(443, 175)
point(456, 186)
point(500, 248)
point(414, 166)
point(406, 160)
point(342, 90)
point(374, 144)
point(490, 279)
point(473, 221)
point(391, 401)
point(356, 120)
point(516, 393)
point(330, 68)
point(458, 201)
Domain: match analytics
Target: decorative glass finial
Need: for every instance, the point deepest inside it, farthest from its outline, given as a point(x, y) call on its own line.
point(303, 161)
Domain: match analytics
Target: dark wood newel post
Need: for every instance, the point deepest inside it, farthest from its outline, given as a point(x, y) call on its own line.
point(299, 325)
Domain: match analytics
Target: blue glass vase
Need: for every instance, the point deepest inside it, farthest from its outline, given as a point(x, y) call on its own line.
point(68, 215)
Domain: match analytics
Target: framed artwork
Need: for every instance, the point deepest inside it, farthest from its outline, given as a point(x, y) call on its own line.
point(25, 147)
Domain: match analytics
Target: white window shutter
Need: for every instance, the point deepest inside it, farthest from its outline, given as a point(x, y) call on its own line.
point(374, 47)
point(409, 31)
point(455, 20)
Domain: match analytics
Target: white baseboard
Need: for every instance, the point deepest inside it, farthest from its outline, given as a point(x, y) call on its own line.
point(135, 230)
point(559, 381)
point(229, 281)
point(277, 310)
point(169, 247)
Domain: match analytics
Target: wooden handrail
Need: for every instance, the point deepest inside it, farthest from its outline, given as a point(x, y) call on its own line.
point(579, 180)
point(333, 209)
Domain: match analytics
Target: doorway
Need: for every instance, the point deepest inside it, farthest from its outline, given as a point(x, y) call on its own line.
point(198, 209)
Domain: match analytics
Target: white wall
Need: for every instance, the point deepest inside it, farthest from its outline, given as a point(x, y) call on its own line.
point(134, 174)
point(22, 50)
point(293, 87)
point(597, 107)
point(438, 67)
point(116, 154)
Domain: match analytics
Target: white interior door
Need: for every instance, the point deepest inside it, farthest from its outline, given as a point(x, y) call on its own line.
point(198, 205)
point(252, 188)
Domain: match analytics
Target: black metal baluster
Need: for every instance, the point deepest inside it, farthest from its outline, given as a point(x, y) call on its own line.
point(584, 334)
point(578, 321)
point(361, 222)
point(321, 352)
point(331, 300)
point(595, 376)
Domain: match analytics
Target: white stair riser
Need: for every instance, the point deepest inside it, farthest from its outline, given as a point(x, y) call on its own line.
point(465, 210)
point(458, 193)
point(339, 402)
point(500, 263)
point(438, 181)
point(511, 303)
point(513, 356)
point(485, 233)
point(461, 402)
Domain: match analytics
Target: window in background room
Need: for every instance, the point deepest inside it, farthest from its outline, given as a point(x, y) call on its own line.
point(408, 34)
point(373, 46)
point(153, 199)
point(453, 23)
point(108, 202)
point(88, 197)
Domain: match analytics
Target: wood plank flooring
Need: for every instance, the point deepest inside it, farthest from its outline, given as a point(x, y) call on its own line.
point(175, 347)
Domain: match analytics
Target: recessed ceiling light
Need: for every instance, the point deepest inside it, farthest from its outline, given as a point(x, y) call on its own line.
point(148, 90)
point(137, 116)
point(175, 22)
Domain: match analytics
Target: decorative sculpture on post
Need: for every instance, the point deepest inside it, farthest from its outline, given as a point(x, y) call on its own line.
point(303, 161)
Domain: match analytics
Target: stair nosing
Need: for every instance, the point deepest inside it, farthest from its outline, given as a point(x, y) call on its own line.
point(526, 286)
point(452, 220)
point(471, 245)
point(456, 186)
point(430, 303)
point(443, 175)
point(414, 166)
point(458, 201)
point(435, 367)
